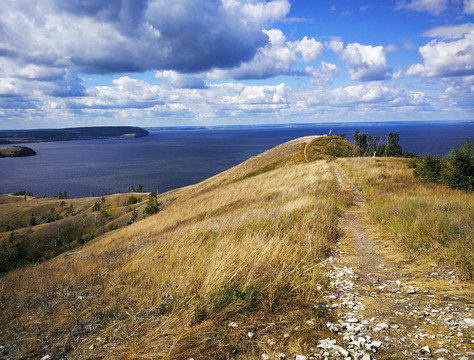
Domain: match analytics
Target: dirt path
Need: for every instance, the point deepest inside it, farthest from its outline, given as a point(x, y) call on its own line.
point(391, 306)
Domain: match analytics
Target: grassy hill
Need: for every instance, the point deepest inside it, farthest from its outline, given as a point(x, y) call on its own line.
point(226, 268)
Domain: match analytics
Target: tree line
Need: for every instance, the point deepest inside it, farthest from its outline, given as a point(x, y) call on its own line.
point(455, 169)
point(368, 145)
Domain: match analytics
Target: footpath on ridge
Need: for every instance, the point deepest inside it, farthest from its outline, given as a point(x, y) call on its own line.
point(390, 306)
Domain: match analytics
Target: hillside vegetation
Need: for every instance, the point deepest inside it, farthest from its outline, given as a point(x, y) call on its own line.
point(226, 269)
point(37, 229)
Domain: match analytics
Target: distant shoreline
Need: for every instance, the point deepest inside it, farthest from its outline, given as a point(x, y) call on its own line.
point(66, 134)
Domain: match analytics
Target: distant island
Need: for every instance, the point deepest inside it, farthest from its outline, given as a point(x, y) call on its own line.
point(79, 133)
point(16, 151)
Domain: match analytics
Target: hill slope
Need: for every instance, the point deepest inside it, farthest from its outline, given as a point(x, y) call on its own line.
point(233, 267)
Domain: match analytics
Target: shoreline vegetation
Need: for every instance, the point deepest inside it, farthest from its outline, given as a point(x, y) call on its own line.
point(66, 134)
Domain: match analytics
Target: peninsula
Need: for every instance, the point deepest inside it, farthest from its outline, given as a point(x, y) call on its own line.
point(79, 133)
point(16, 151)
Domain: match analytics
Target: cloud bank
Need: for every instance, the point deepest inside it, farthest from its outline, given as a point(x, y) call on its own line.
point(109, 36)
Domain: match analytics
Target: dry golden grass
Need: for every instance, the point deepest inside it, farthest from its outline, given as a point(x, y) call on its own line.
point(236, 247)
point(429, 219)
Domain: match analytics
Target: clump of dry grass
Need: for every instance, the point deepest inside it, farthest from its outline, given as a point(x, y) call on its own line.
point(166, 287)
point(430, 219)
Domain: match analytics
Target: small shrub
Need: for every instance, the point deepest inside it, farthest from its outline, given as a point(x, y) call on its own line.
point(152, 206)
point(112, 227)
point(23, 193)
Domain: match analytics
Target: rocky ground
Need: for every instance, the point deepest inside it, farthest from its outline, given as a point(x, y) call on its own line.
point(390, 305)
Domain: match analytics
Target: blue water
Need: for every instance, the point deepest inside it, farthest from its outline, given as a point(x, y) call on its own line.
point(170, 158)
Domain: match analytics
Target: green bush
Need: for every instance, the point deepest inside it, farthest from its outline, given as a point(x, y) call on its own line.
point(152, 205)
point(458, 172)
point(429, 168)
point(456, 169)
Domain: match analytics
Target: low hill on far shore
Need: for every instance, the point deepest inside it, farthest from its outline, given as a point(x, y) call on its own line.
point(79, 133)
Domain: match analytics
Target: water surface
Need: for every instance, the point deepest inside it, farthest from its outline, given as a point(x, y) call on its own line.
point(170, 158)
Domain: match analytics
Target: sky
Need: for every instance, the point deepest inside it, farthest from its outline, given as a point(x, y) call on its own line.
point(66, 63)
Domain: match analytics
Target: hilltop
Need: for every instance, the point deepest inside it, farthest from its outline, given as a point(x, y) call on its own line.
point(79, 133)
point(299, 251)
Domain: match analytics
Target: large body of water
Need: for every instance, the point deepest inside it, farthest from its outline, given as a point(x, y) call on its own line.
point(171, 158)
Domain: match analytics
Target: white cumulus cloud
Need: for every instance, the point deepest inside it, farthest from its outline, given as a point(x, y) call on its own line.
point(434, 7)
point(469, 6)
point(323, 74)
point(276, 58)
point(178, 80)
point(450, 31)
point(444, 59)
point(364, 62)
point(310, 49)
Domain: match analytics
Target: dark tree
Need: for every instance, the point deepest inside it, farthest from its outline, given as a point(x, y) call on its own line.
point(152, 205)
point(67, 235)
point(392, 148)
point(429, 169)
point(32, 221)
point(458, 172)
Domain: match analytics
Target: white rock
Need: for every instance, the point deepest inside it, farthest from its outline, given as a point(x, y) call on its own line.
point(46, 357)
point(376, 344)
point(327, 343)
point(250, 334)
point(310, 322)
point(341, 350)
point(233, 325)
point(469, 321)
point(463, 358)
point(426, 350)
point(366, 357)
point(352, 320)
point(282, 356)
point(301, 357)
point(265, 357)
point(271, 342)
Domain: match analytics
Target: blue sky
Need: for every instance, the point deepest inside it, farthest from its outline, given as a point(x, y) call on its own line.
point(217, 62)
